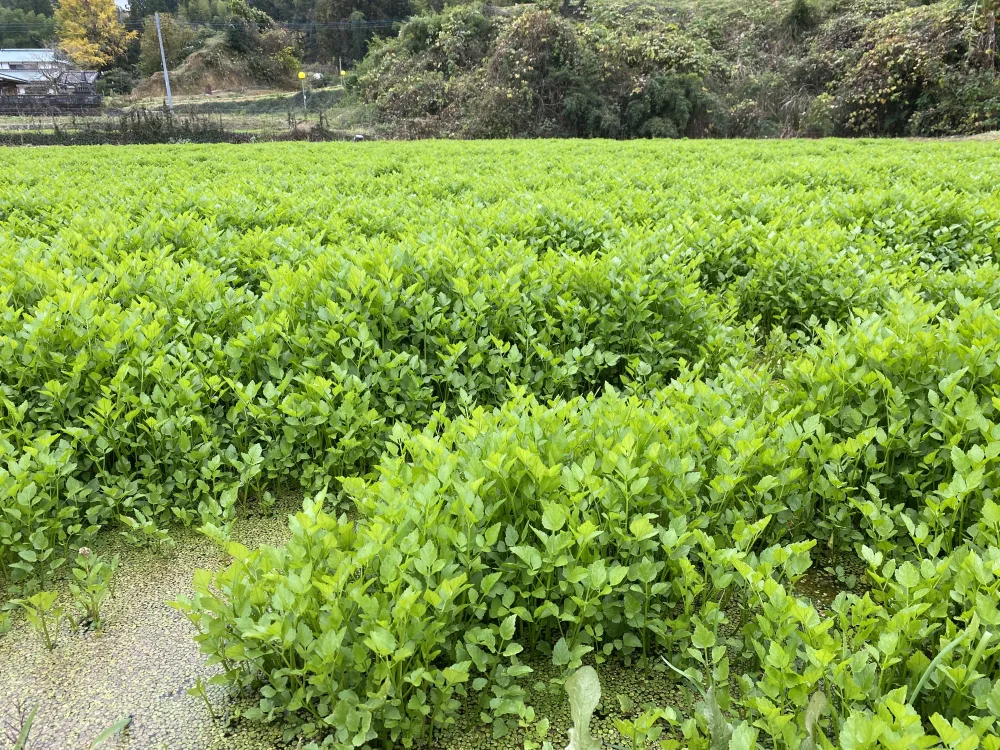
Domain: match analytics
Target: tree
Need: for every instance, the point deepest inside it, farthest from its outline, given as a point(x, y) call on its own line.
point(139, 10)
point(38, 7)
point(178, 41)
point(19, 28)
point(90, 33)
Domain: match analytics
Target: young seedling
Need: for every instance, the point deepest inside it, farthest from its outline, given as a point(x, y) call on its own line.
point(117, 728)
point(22, 736)
point(44, 614)
point(143, 532)
point(719, 729)
point(644, 728)
point(93, 585)
point(200, 691)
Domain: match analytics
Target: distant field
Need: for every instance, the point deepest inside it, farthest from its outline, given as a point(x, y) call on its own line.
point(265, 113)
point(717, 419)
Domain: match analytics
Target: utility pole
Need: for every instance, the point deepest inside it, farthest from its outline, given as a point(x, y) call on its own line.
point(163, 58)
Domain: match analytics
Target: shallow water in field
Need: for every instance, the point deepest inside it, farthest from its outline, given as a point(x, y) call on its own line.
point(142, 665)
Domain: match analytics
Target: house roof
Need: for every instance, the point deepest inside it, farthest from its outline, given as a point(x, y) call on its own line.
point(65, 78)
point(27, 55)
point(74, 77)
point(23, 76)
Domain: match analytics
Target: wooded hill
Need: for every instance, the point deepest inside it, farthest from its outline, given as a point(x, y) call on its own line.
point(666, 69)
point(593, 68)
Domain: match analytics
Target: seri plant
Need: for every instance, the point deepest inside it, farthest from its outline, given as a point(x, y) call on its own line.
point(44, 613)
point(91, 585)
point(535, 416)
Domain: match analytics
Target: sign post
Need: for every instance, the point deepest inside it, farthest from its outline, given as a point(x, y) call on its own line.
point(302, 77)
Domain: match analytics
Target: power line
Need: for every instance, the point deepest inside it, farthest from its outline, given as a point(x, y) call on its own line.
point(291, 25)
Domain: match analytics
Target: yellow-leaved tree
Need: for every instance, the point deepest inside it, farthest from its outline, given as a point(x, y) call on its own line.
point(90, 33)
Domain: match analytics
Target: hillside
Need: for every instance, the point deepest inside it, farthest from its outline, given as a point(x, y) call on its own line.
point(754, 69)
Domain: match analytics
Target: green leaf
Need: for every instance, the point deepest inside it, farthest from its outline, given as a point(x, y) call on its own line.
point(908, 575)
point(513, 649)
point(507, 627)
point(500, 728)
point(583, 689)
point(456, 673)
point(703, 637)
point(22, 738)
point(111, 731)
point(744, 737)
point(561, 653)
point(813, 712)
point(993, 700)
point(641, 528)
point(554, 516)
point(531, 556)
point(381, 641)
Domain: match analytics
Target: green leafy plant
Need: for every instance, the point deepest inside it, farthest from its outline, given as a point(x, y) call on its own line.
point(643, 729)
point(143, 532)
point(92, 584)
point(598, 413)
point(200, 690)
point(44, 613)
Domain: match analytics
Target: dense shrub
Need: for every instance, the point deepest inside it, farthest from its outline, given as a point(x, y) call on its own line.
point(958, 103)
point(903, 55)
point(605, 69)
point(178, 43)
point(117, 81)
point(269, 51)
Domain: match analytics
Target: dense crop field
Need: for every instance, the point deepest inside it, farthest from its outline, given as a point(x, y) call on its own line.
point(550, 404)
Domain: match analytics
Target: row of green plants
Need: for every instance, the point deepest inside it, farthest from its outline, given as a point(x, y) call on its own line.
point(546, 193)
point(759, 226)
point(119, 406)
point(672, 526)
point(165, 345)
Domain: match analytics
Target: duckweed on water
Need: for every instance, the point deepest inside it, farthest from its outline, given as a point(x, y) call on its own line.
point(142, 664)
